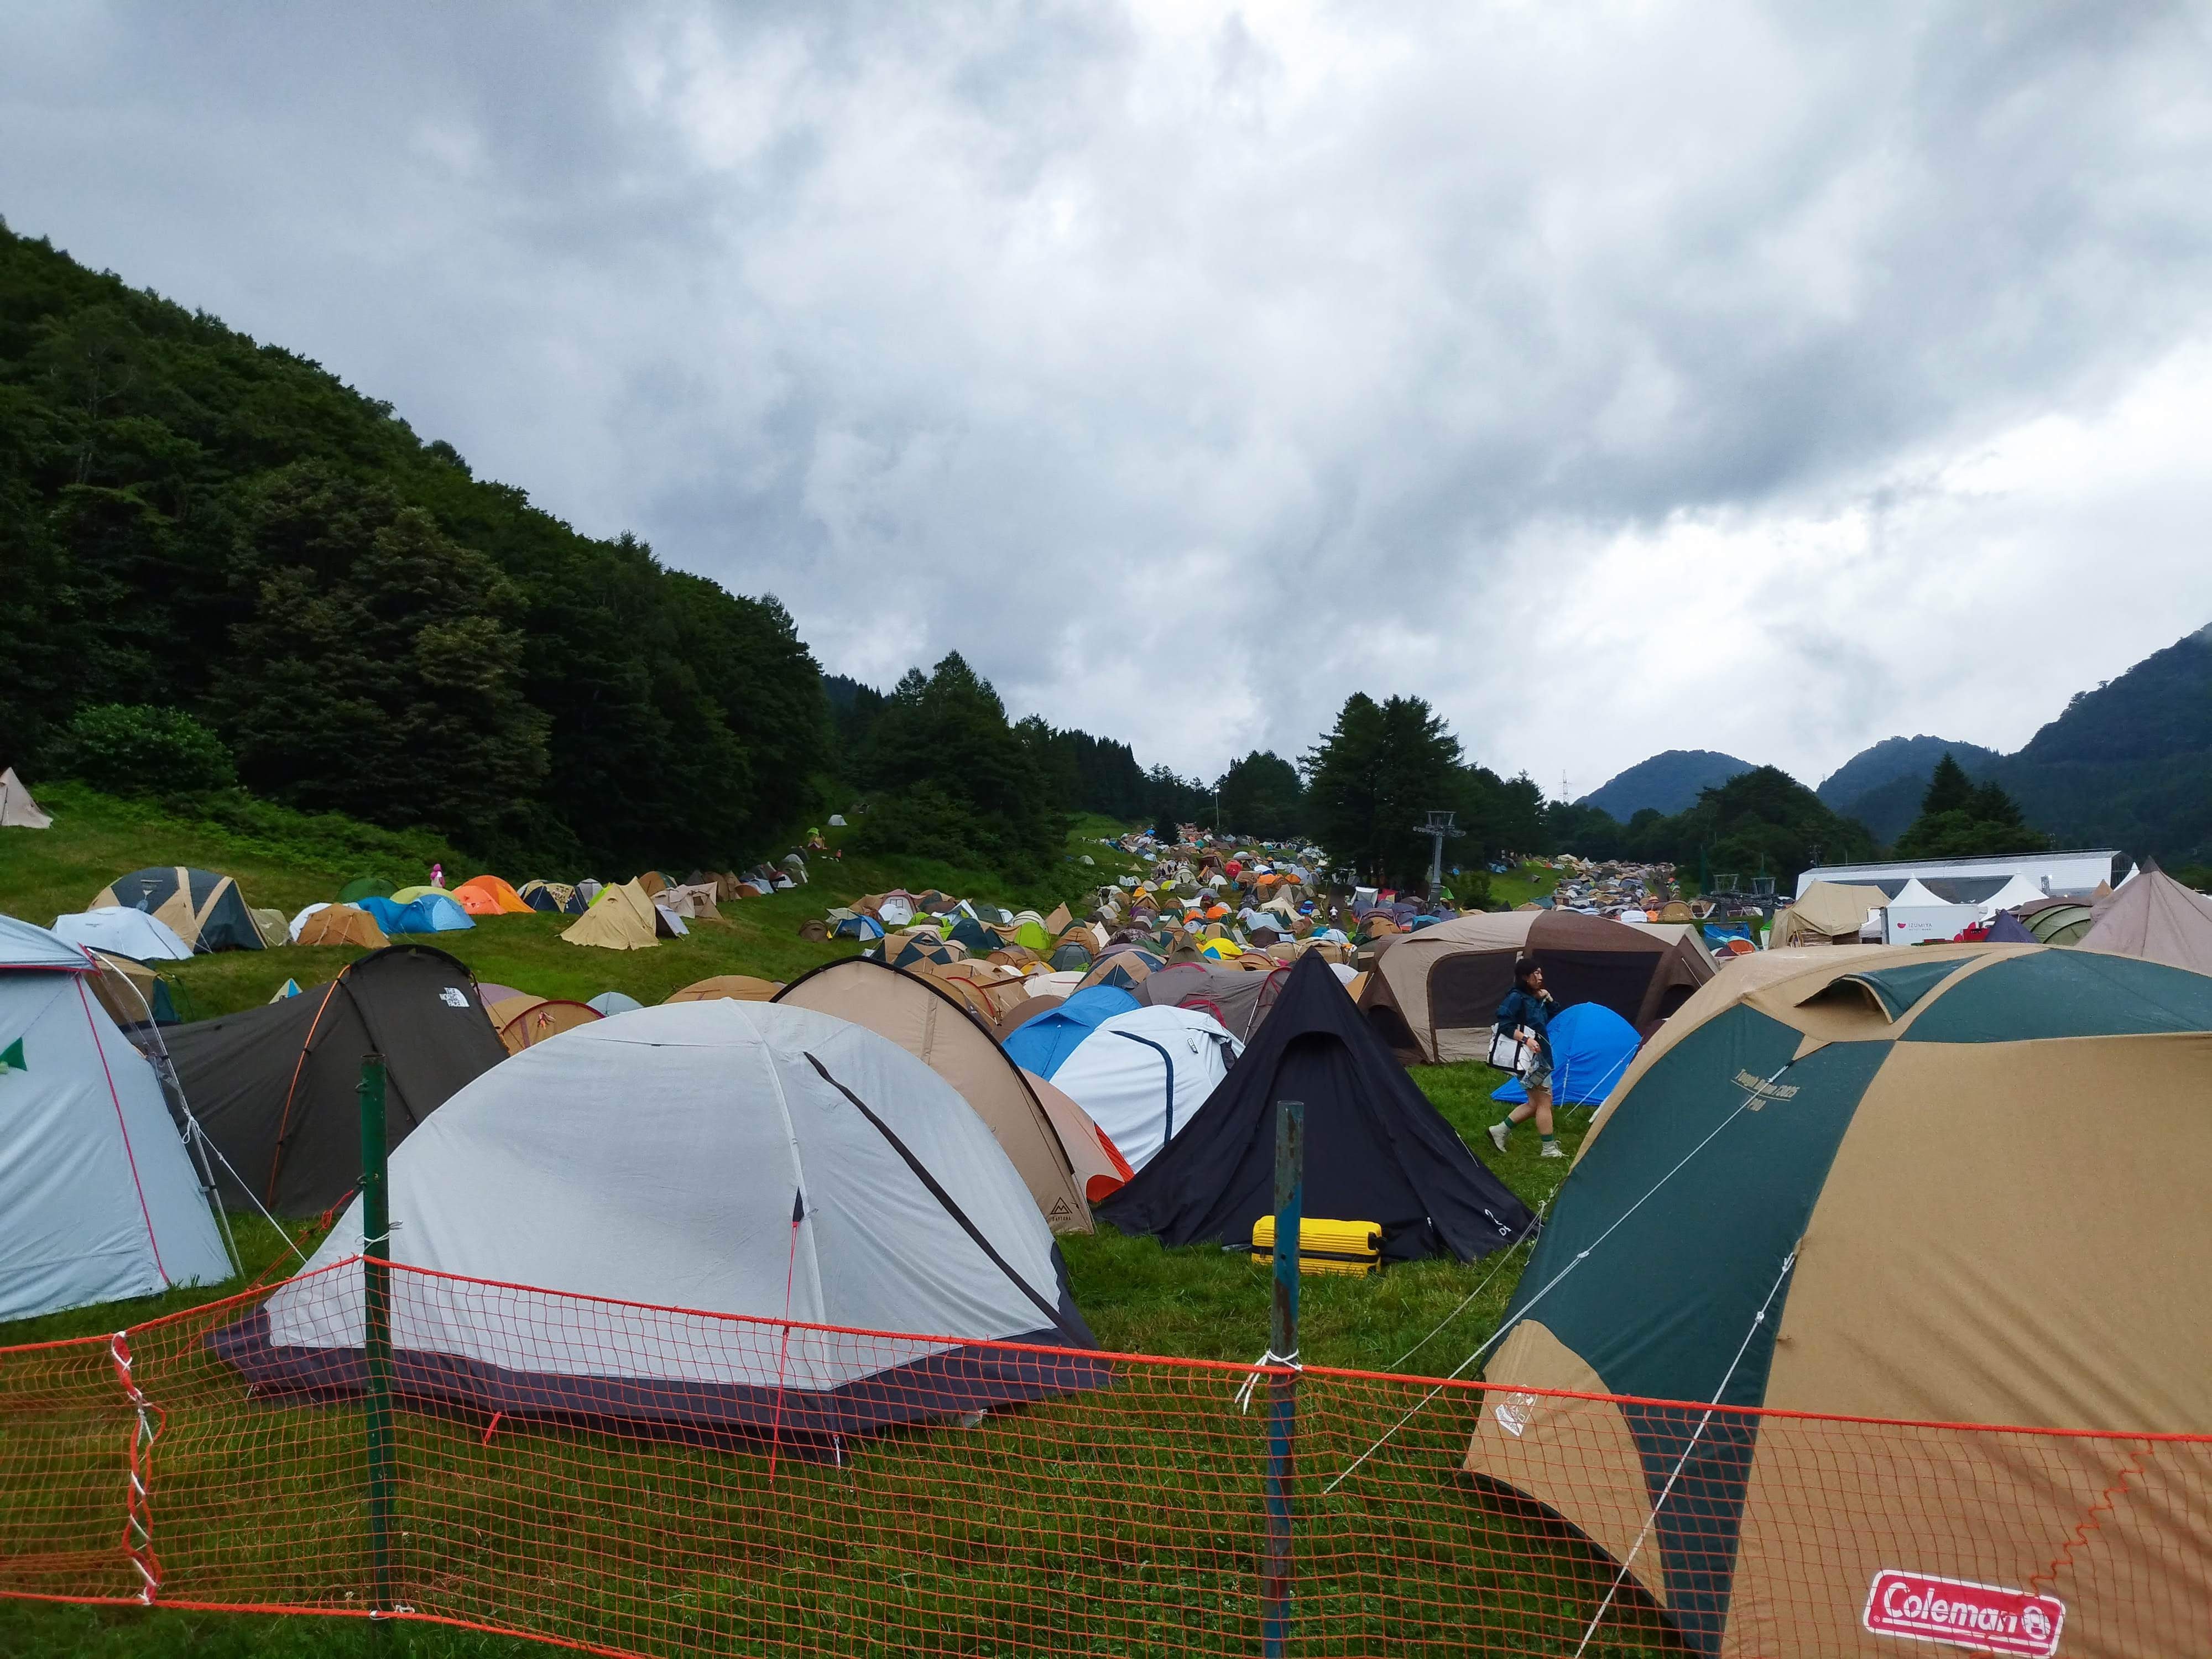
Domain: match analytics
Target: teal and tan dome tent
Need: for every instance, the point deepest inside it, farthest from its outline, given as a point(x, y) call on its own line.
point(206, 909)
point(1958, 1185)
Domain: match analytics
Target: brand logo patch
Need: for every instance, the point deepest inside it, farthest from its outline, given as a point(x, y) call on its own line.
point(1985, 1618)
point(11, 1058)
point(453, 996)
point(1512, 1413)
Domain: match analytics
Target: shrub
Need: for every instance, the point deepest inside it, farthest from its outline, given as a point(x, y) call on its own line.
point(133, 748)
point(923, 821)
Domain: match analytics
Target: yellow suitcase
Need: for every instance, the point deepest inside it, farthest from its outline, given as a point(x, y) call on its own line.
point(1325, 1246)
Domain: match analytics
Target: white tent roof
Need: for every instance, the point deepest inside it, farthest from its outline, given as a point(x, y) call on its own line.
point(2019, 890)
point(1143, 1075)
point(17, 810)
point(1916, 892)
point(24, 946)
point(763, 1160)
point(126, 931)
point(98, 1197)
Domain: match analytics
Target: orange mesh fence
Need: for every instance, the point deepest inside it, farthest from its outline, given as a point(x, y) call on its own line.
point(645, 1480)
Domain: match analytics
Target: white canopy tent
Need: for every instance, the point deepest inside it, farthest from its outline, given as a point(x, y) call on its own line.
point(98, 1197)
point(2017, 891)
point(1916, 914)
point(1143, 1075)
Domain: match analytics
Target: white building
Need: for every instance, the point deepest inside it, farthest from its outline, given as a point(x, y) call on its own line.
point(1975, 881)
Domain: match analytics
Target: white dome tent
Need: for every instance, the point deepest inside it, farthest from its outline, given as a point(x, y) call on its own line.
point(126, 931)
point(98, 1197)
point(765, 1163)
point(1143, 1075)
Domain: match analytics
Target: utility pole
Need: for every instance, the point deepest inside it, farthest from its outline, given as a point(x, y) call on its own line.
point(1439, 829)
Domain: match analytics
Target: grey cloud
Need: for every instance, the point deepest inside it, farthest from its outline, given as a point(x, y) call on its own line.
point(1261, 357)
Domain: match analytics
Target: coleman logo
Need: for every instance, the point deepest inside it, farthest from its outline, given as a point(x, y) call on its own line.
point(1761, 1090)
point(1985, 1618)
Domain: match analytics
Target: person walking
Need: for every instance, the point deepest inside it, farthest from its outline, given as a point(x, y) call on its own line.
point(1526, 1012)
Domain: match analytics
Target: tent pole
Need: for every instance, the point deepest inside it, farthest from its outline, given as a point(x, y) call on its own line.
point(376, 1302)
point(1283, 1393)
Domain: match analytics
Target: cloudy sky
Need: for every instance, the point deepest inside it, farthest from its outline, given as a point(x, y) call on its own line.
point(1618, 377)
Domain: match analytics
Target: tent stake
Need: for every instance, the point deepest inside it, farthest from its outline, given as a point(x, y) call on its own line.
point(376, 1304)
point(1283, 1393)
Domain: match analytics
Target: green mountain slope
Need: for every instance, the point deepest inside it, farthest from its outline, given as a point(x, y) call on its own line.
point(1667, 783)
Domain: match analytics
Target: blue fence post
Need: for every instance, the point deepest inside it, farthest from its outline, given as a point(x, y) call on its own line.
point(1283, 1391)
point(376, 1333)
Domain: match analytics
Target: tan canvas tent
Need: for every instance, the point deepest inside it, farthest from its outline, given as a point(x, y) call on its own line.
point(936, 1028)
point(521, 1021)
point(17, 810)
point(342, 923)
point(1828, 913)
point(734, 987)
point(2156, 918)
point(1432, 996)
point(622, 918)
point(1854, 1181)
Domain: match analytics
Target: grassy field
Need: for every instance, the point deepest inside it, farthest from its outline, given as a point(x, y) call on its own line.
point(838, 1565)
point(298, 860)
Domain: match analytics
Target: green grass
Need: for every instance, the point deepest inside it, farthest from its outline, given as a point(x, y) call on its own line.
point(1527, 882)
point(295, 861)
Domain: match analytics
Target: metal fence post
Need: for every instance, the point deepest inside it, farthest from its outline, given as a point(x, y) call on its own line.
point(1283, 1393)
point(376, 1306)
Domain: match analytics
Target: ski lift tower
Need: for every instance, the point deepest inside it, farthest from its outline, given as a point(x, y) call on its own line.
point(1439, 829)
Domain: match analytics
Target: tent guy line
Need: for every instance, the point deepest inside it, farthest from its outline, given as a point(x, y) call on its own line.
point(1559, 1277)
point(1527, 1233)
point(1682, 1462)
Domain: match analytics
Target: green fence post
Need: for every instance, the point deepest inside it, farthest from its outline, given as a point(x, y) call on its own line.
point(1283, 1393)
point(376, 1306)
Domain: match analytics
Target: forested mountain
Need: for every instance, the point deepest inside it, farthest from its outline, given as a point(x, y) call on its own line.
point(1667, 783)
point(2128, 765)
point(196, 521)
point(204, 531)
point(1882, 786)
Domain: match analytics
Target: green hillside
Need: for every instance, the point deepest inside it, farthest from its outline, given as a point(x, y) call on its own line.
point(286, 860)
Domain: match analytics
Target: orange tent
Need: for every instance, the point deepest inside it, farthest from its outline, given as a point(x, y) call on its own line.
point(487, 896)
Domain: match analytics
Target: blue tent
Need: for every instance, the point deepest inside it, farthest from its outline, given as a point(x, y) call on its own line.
point(1716, 934)
point(858, 927)
point(1040, 1045)
point(1591, 1046)
point(610, 1003)
point(433, 913)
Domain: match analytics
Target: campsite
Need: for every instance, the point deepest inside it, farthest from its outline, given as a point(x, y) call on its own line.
point(1105, 832)
point(1118, 1187)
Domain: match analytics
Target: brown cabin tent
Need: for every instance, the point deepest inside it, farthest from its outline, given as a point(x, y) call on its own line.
point(342, 923)
point(1828, 913)
point(694, 901)
point(2156, 918)
point(734, 987)
point(1239, 999)
point(1855, 1182)
point(17, 810)
point(934, 1026)
point(1433, 995)
point(622, 918)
